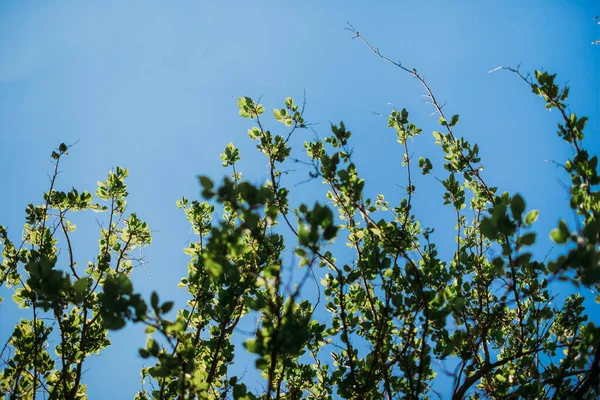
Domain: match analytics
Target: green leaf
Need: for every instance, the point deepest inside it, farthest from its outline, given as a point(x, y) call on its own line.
point(81, 285)
point(206, 182)
point(300, 252)
point(330, 232)
point(454, 120)
point(261, 364)
point(531, 217)
point(459, 303)
point(528, 239)
point(254, 133)
point(154, 300)
point(244, 104)
point(251, 345)
point(113, 323)
point(523, 259)
point(505, 225)
point(488, 229)
point(166, 307)
point(591, 230)
point(214, 268)
point(517, 206)
point(230, 156)
point(152, 347)
point(560, 234)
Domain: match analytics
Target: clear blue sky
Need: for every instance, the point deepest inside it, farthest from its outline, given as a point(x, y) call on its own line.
point(151, 85)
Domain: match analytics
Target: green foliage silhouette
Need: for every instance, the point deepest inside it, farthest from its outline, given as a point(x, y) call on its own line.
point(394, 312)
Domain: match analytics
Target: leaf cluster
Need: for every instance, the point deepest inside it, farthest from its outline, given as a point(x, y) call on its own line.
point(394, 315)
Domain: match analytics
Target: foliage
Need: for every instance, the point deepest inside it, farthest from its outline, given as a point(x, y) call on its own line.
point(398, 313)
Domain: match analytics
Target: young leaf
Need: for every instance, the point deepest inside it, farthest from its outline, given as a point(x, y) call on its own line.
point(560, 234)
point(531, 217)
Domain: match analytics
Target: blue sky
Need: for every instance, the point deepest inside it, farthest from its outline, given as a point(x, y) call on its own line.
point(151, 86)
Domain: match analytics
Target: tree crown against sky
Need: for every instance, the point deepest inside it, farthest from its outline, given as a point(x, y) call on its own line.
point(389, 307)
point(134, 225)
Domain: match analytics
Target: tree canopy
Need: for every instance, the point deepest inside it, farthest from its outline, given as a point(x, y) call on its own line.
point(388, 319)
